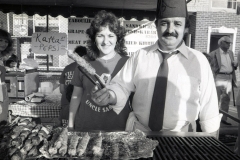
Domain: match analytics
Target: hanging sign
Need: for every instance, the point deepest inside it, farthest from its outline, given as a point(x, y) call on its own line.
point(51, 43)
point(140, 34)
point(77, 32)
point(40, 21)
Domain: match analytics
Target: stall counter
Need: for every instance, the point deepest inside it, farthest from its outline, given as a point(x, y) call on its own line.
point(48, 110)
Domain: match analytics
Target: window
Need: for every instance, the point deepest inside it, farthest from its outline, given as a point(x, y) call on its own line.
point(225, 4)
point(23, 26)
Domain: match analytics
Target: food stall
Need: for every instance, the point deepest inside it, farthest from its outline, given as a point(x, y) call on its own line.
point(46, 111)
point(18, 81)
point(24, 139)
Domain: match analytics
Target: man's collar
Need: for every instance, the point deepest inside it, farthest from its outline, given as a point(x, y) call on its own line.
point(154, 47)
point(221, 51)
point(182, 49)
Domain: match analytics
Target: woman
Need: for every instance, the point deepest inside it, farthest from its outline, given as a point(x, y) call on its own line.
point(107, 54)
point(6, 48)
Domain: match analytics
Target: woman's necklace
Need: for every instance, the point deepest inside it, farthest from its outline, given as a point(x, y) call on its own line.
point(107, 59)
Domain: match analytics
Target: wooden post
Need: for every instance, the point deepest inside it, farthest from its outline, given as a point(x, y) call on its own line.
point(47, 54)
point(238, 140)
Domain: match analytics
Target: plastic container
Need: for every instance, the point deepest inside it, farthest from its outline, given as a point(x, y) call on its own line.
point(46, 88)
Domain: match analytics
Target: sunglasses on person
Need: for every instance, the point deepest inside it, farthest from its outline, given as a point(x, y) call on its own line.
point(227, 42)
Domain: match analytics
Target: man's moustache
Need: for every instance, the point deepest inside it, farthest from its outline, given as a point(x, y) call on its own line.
point(167, 34)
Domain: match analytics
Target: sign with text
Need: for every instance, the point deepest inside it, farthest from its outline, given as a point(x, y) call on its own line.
point(40, 21)
point(140, 34)
point(77, 32)
point(51, 43)
point(41, 59)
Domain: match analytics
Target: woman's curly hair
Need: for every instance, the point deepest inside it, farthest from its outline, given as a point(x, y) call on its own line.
point(102, 19)
point(8, 51)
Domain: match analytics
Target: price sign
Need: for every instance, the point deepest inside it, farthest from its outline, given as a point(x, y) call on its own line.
point(49, 43)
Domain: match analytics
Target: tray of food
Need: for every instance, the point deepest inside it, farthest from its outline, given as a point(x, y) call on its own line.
point(24, 139)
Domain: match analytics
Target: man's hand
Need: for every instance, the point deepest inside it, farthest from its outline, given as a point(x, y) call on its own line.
point(103, 97)
point(235, 63)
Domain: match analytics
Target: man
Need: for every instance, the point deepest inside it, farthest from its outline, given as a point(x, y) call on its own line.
point(66, 88)
point(190, 85)
point(223, 68)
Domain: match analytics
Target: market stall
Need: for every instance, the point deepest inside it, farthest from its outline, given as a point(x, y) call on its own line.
point(49, 108)
point(24, 139)
point(169, 145)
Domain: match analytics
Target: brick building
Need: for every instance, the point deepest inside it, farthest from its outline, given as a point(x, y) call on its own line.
point(211, 19)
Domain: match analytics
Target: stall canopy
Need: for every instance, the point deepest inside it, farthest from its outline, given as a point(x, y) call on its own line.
point(128, 9)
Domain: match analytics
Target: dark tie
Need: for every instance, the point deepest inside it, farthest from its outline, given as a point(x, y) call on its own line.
point(159, 95)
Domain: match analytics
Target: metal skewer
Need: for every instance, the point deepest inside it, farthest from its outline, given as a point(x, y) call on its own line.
point(86, 68)
point(89, 77)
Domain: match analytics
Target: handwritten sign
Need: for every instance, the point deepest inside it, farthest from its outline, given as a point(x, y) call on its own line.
point(49, 43)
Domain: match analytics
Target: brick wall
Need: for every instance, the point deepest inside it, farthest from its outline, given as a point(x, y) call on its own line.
point(201, 22)
point(199, 5)
point(215, 20)
point(192, 29)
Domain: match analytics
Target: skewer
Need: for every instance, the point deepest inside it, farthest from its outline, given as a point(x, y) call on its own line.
point(89, 77)
point(99, 80)
point(86, 68)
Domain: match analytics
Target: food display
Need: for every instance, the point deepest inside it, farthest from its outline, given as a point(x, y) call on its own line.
point(86, 68)
point(24, 139)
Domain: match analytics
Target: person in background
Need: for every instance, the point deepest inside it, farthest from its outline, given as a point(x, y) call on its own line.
point(12, 62)
point(66, 87)
point(224, 73)
point(30, 54)
point(185, 77)
point(107, 54)
point(6, 49)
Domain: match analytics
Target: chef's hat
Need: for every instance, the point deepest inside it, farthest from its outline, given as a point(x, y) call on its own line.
point(171, 8)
